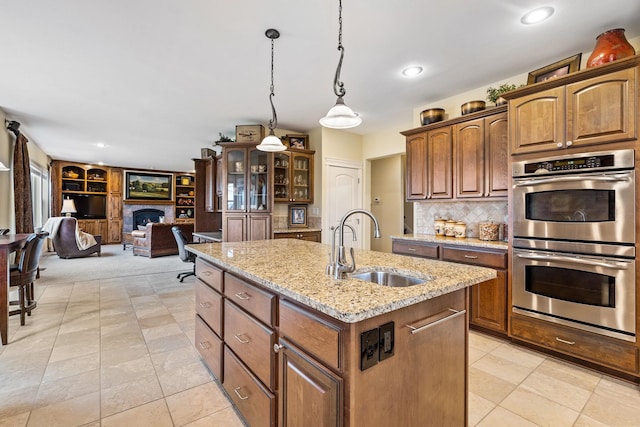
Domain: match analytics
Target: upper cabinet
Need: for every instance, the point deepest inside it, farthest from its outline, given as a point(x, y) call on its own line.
point(466, 157)
point(293, 176)
point(596, 110)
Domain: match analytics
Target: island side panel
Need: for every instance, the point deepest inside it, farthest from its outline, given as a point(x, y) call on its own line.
point(425, 382)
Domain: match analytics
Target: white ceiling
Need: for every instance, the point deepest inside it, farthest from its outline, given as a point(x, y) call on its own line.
point(156, 80)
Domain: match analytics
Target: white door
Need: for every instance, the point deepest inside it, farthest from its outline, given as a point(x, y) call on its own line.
point(344, 192)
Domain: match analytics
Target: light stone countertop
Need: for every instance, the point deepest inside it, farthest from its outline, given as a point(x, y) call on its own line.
point(296, 269)
point(466, 241)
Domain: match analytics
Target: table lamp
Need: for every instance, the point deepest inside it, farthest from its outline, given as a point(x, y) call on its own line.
point(68, 207)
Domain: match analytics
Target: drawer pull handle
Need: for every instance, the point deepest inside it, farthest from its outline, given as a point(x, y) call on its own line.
point(237, 392)
point(456, 313)
point(205, 345)
point(411, 249)
point(242, 341)
point(243, 296)
point(565, 341)
point(471, 256)
point(205, 304)
point(277, 348)
point(206, 273)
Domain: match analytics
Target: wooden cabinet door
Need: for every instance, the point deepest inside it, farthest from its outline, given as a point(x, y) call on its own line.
point(440, 161)
point(210, 186)
point(488, 306)
point(310, 394)
point(537, 121)
point(469, 146)
point(235, 228)
point(259, 227)
point(602, 109)
point(496, 145)
point(219, 184)
point(115, 231)
point(417, 167)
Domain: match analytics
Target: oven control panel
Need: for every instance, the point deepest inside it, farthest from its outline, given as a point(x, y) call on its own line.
point(620, 159)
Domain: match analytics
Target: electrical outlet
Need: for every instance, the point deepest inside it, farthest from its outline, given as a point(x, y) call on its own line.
point(369, 349)
point(386, 344)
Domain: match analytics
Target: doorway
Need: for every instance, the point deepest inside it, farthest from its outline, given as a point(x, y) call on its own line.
point(387, 199)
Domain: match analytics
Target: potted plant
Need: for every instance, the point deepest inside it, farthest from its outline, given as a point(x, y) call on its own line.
point(495, 94)
point(223, 138)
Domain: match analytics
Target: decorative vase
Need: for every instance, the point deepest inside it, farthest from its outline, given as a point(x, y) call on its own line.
point(610, 45)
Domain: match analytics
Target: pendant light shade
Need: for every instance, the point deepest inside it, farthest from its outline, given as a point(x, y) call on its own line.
point(340, 116)
point(271, 142)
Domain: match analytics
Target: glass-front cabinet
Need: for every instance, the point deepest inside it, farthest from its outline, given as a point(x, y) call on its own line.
point(293, 176)
point(247, 180)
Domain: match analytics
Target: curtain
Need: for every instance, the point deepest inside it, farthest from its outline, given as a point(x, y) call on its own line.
point(22, 185)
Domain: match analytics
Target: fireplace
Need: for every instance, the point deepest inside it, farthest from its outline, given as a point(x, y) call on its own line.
point(144, 216)
point(129, 223)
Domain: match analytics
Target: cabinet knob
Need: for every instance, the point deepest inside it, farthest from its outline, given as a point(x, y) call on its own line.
point(277, 347)
point(569, 143)
point(559, 144)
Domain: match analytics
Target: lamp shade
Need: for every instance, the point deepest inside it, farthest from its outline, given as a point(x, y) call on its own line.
point(271, 143)
point(68, 207)
point(3, 168)
point(340, 117)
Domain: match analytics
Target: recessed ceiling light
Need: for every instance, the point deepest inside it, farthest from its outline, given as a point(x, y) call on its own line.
point(101, 144)
point(537, 15)
point(412, 71)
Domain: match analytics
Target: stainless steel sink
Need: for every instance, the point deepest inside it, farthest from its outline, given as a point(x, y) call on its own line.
point(387, 278)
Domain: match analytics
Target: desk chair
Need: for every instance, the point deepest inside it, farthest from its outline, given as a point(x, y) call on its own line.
point(184, 255)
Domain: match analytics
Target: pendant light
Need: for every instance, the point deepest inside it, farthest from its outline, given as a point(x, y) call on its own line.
point(271, 142)
point(340, 116)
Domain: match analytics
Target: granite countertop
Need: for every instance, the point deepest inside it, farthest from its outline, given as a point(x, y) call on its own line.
point(296, 269)
point(465, 241)
point(296, 230)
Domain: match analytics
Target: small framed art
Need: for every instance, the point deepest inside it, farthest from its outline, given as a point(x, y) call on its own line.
point(557, 69)
point(298, 141)
point(298, 216)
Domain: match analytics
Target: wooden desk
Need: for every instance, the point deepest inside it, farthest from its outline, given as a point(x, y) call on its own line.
point(8, 244)
point(207, 236)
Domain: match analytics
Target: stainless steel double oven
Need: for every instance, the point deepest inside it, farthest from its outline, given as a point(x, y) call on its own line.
point(574, 241)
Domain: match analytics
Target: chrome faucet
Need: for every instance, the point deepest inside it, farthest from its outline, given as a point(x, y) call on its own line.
point(332, 257)
point(341, 266)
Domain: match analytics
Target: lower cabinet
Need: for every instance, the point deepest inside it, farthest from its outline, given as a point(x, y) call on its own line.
point(284, 364)
point(311, 236)
point(488, 300)
point(95, 227)
point(242, 227)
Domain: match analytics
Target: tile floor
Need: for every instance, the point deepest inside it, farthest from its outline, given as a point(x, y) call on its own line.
point(119, 352)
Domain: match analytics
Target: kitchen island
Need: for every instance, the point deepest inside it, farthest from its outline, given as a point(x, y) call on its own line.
point(293, 346)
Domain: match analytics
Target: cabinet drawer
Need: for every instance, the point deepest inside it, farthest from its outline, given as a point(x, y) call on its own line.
point(316, 336)
point(256, 404)
point(425, 250)
point(584, 345)
point(209, 306)
point(210, 348)
point(470, 256)
point(252, 342)
point(209, 274)
point(259, 303)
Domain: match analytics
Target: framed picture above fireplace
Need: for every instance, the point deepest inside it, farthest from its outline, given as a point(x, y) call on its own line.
point(148, 186)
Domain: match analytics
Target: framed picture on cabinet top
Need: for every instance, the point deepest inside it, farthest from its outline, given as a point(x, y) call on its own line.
point(298, 216)
point(298, 141)
point(557, 69)
point(148, 186)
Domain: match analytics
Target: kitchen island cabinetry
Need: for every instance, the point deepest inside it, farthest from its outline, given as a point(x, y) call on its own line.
point(308, 235)
point(465, 157)
point(488, 301)
point(327, 352)
point(593, 107)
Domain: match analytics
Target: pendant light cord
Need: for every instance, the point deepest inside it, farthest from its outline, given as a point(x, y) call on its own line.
point(273, 123)
point(338, 86)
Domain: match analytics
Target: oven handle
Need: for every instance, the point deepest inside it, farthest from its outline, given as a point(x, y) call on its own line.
point(574, 178)
point(618, 266)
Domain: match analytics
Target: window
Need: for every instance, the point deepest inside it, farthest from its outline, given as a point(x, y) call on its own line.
point(39, 194)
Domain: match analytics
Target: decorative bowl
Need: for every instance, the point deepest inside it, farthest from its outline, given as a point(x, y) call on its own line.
point(431, 115)
point(472, 107)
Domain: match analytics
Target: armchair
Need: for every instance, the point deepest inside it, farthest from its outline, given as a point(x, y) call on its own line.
point(65, 241)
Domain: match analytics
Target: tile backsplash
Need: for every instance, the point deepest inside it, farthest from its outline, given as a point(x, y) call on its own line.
point(471, 213)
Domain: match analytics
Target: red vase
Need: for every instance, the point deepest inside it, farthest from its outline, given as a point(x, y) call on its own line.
point(610, 45)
